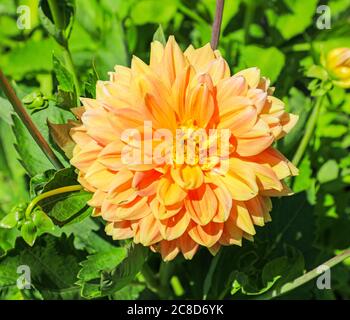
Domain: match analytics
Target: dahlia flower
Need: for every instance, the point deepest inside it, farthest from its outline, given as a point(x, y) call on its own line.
point(337, 63)
point(176, 206)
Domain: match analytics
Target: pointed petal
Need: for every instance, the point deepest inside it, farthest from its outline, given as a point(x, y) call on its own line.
point(206, 235)
point(202, 204)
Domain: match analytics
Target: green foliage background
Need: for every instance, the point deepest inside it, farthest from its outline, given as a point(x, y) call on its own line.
point(75, 259)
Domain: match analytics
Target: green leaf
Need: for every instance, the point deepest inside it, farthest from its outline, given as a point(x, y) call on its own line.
point(93, 267)
point(29, 232)
point(32, 158)
point(269, 60)
point(130, 292)
point(61, 178)
point(10, 220)
point(107, 57)
point(153, 11)
point(8, 278)
point(300, 105)
point(69, 208)
point(159, 35)
point(126, 271)
point(38, 182)
point(28, 59)
point(86, 237)
point(296, 17)
point(285, 268)
point(90, 84)
point(317, 72)
point(5, 111)
point(328, 172)
point(8, 239)
point(42, 222)
point(296, 217)
point(65, 208)
point(54, 265)
point(303, 181)
point(63, 76)
point(131, 35)
point(333, 131)
point(58, 24)
point(244, 283)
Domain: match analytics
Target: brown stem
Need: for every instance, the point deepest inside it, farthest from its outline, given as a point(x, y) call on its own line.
point(28, 122)
point(217, 24)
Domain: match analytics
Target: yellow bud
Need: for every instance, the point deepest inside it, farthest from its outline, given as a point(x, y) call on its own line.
point(338, 64)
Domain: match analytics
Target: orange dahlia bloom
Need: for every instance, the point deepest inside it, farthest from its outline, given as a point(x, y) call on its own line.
point(175, 206)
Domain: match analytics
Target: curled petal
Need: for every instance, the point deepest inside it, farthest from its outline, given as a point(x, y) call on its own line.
point(206, 235)
point(169, 193)
point(174, 227)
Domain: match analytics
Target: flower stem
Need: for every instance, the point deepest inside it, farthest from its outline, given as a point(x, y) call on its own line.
point(215, 35)
point(153, 283)
point(48, 194)
point(59, 22)
point(56, 14)
point(248, 17)
point(305, 277)
point(28, 122)
point(310, 128)
point(69, 63)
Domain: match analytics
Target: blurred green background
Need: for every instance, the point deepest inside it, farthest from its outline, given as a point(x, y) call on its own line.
point(280, 37)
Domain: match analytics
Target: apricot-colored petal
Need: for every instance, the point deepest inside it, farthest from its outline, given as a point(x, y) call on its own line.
point(85, 157)
point(256, 210)
point(173, 60)
point(99, 125)
point(235, 86)
point(169, 193)
point(169, 250)
point(244, 220)
point(162, 116)
point(255, 140)
point(218, 70)
point(224, 201)
point(173, 227)
point(157, 52)
point(239, 122)
point(145, 183)
point(201, 57)
point(231, 234)
point(266, 177)
point(188, 177)
point(120, 191)
point(111, 155)
point(202, 204)
point(148, 231)
point(97, 199)
point(206, 235)
point(240, 180)
point(251, 75)
point(199, 99)
point(120, 230)
point(187, 246)
point(99, 176)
